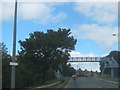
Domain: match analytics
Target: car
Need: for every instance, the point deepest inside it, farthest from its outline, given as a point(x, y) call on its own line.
point(95, 75)
point(74, 77)
point(86, 75)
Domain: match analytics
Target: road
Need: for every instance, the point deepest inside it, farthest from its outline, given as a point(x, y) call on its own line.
point(89, 82)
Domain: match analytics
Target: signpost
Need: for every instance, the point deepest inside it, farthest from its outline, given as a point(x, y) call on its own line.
point(13, 63)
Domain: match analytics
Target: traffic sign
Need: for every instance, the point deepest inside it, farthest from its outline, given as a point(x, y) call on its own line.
point(14, 63)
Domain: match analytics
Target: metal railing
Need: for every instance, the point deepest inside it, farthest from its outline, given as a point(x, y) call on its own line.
point(85, 59)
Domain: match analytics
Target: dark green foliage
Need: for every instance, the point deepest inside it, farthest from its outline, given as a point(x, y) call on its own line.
point(50, 74)
point(68, 70)
point(102, 65)
point(39, 58)
point(6, 68)
point(41, 54)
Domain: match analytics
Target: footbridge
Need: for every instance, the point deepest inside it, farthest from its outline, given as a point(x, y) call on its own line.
point(108, 62)
point(85, 59)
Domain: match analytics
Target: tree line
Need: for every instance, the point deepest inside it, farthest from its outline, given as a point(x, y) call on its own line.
point(39, 58)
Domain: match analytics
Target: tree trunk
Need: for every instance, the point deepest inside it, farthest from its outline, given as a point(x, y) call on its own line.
point(44, 77)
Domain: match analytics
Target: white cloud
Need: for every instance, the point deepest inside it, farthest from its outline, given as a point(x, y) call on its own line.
point(101, 34)
point(52, 4)
point(35, 11)
point(62, 0)
point(6, 11)
point(104, 12)
point(59, 17)
point(78, 54)
point(94, 66)
point(41, 12)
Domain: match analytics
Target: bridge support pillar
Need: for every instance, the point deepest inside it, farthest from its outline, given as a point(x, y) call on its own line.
point(103, 71)
point(112, 72)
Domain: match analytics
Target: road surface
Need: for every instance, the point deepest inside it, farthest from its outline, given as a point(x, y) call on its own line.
point(89, 82)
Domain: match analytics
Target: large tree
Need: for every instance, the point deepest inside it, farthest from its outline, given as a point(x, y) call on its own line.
point(42, 51)
point(68, 70)
point(6, 68)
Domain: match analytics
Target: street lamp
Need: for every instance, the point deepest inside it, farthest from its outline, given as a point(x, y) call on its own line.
point(13, 63)
point(114, 34)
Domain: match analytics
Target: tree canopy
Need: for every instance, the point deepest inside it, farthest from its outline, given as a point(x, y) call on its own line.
point(42, 51)
point(6, 74)
point(41, 54)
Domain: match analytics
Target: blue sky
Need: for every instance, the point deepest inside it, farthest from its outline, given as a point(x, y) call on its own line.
point(91, 23)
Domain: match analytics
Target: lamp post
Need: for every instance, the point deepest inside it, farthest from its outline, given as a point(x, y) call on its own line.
point(112, 69)
point(13, 63)
point(114, 34)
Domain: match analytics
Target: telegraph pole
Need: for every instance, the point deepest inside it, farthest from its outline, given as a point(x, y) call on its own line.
point(13, 63)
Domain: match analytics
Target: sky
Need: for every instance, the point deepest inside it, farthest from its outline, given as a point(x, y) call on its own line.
point(91, 23)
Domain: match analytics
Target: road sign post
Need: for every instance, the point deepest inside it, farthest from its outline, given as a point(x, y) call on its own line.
point(112, 72)
point(14, 63)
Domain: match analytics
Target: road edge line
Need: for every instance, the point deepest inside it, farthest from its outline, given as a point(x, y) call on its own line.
point(67, 83)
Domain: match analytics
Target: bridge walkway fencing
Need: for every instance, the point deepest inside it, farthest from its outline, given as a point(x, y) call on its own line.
point(85, 59)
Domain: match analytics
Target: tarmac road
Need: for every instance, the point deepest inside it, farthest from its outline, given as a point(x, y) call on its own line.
point(89, 82)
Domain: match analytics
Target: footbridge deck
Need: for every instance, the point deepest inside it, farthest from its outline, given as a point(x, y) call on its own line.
point(85, 59)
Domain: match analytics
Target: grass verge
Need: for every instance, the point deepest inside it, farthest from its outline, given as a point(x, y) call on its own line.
point(108, 77)
point(46, 83)
point(63, 84)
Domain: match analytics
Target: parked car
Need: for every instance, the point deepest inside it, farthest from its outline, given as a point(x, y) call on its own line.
point(86, 75)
